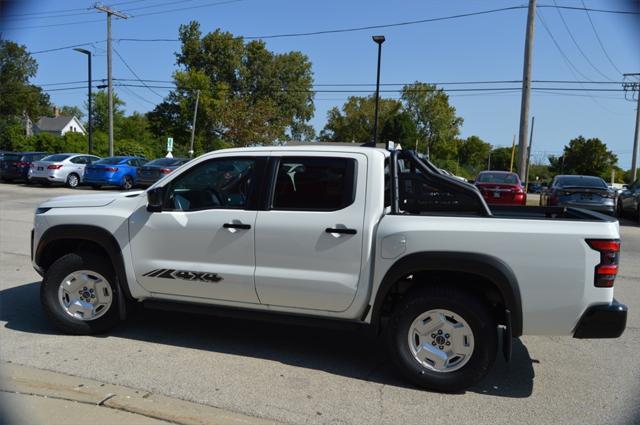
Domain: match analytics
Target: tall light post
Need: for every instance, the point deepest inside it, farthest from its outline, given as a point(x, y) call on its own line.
point(88, 53)
point(378, 39)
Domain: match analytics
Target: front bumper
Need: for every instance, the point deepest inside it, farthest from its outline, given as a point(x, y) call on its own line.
point(602, 321)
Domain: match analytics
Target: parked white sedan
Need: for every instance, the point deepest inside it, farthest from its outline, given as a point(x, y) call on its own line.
point(65, 168)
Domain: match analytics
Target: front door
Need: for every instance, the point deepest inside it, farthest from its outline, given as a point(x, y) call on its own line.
point(309, 240)
point(202, 243)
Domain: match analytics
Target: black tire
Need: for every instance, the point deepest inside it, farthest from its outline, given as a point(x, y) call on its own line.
point(73, 181)
point(7, 180)
point(30, 182)
point(460, 302)
point(638, 215)
point(127, 183)
point(96, 186)
point(54, 276)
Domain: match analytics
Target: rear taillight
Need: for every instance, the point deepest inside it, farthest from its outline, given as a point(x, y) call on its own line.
point(607, 269)
point(165, 170)
point(54, 167)
point(111, 169)
point(23, 164)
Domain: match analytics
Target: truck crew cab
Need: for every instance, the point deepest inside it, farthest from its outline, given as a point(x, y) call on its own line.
point(344, 233)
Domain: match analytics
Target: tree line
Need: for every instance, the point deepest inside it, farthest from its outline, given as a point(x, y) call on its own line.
point(249, 95)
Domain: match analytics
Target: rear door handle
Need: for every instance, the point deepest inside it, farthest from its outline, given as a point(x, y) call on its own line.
point(236, 226)
point(342, 231)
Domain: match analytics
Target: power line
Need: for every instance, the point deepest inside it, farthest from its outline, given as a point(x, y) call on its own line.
point(575, 42)
point(570, 65)
point(600, 41)
point(562, 53)
point(169, 3)
point(624, 12)
point(128, 90)
point(136, 75)
point(439, 83)
point(90, 43)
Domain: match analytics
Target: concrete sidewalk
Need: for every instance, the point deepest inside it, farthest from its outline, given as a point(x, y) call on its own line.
point(34, 396)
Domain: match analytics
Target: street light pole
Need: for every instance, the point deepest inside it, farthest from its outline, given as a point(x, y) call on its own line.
point(89, 109)
point(193, 125)
point(378, 39)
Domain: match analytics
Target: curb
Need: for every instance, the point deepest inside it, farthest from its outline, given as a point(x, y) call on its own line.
point(27, 380)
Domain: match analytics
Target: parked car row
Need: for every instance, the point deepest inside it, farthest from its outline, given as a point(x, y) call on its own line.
point(588, 192)
point(73, 169)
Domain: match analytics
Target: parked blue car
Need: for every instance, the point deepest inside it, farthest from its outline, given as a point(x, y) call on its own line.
point(118, 171)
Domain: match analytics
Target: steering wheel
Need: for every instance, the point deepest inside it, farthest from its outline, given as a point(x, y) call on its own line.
point(216, 198)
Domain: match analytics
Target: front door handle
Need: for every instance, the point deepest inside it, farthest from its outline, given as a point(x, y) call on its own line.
point(343, 231)
point(236, 226)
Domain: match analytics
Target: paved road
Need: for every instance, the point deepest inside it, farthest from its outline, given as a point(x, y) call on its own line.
point(315, 376)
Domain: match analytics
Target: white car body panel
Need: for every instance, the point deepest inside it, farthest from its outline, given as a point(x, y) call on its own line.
point(298, 271)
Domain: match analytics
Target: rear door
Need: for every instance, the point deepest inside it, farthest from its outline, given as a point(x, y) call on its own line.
point(309, 240)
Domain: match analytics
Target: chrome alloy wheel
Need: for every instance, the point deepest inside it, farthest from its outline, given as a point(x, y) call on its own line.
point(441, 340)
point(85, 295)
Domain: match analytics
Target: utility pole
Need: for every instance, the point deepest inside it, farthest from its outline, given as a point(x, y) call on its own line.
point(109, 12)
point(633, 87)
point(526, 183)
point(526, 91)
point(513, 151)
point(193, 125)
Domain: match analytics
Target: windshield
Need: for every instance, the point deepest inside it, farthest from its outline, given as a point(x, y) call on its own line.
point(56, 158)
point(167, 162)
point(581, 181)
point(110, 161)
point(505, 178)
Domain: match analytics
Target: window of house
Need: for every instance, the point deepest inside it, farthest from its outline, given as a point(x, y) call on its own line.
point(314, 184)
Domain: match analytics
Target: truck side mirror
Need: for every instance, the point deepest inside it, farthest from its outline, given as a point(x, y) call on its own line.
point(154, 199)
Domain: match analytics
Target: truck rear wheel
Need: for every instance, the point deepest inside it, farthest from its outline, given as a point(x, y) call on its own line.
point(80, 295)
point(442, 339)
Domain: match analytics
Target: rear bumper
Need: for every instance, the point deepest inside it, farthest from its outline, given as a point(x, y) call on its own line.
point(602, 321)
point(141, 181)
point(604, 208)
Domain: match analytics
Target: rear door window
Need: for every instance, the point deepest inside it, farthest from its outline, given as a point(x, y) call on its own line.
point(314, 184)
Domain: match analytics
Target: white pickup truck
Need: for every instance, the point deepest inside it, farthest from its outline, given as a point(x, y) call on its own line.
point(342, 233)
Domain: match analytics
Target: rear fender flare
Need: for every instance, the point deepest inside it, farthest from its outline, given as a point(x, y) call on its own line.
point(490, 268)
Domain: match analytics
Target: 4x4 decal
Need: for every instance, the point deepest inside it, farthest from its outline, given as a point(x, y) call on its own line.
point(184, 275)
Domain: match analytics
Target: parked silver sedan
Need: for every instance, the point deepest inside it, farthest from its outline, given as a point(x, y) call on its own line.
point(63, 168)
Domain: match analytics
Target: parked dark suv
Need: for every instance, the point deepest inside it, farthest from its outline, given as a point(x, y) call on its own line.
point(15, 165)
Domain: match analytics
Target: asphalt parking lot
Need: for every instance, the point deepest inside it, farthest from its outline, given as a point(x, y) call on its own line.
point(315, 376)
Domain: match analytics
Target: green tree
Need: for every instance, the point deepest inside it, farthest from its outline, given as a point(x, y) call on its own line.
point(585, 156)
point(72, 111)
point(474, 152)
point(17, 96)
point(400, 128)
point(436, 120)
point(501, 159)
point(248, 94)
point(100, 111)
point(354, 123)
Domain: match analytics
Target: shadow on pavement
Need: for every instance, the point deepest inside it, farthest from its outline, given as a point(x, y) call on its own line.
point(352, 354)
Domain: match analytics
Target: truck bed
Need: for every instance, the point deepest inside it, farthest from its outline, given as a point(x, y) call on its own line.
point(553, 213)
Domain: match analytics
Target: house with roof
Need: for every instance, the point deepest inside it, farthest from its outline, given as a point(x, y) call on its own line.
point(59, 125)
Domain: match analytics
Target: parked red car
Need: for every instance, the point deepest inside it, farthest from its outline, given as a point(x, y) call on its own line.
point(501, 188)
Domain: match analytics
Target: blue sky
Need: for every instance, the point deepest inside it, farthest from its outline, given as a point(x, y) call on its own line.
point(480, 48)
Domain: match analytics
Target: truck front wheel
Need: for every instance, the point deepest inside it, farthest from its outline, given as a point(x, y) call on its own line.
point(442, 339)
point(79, 294)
